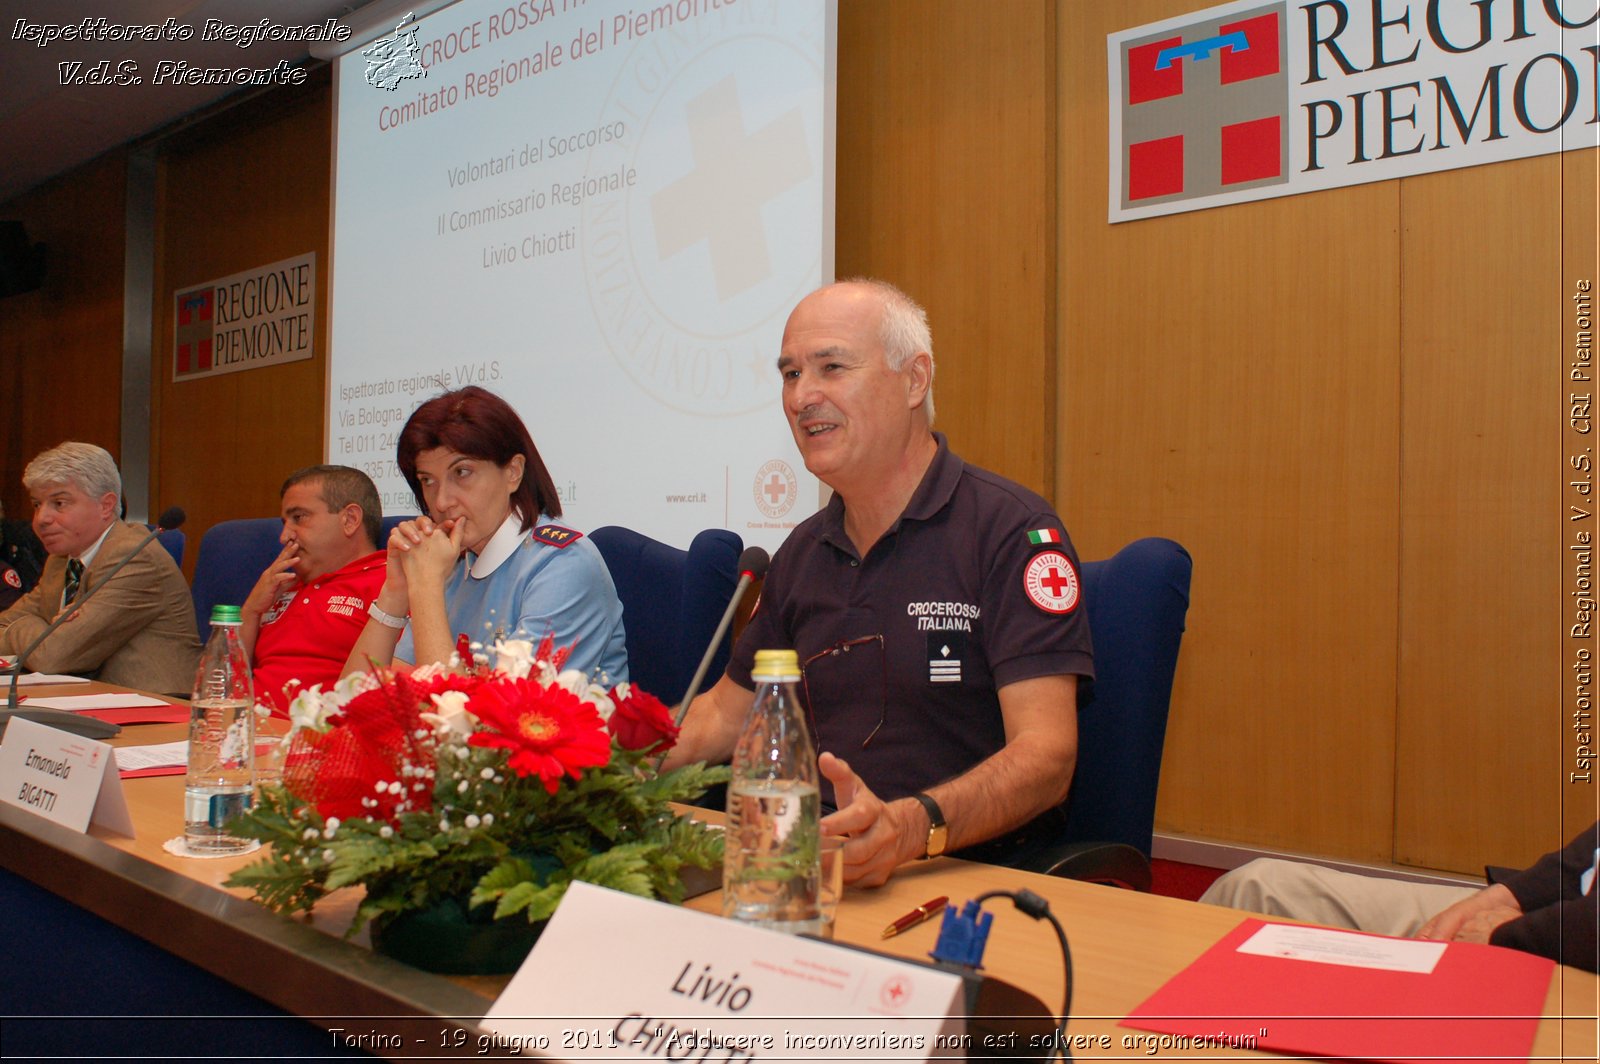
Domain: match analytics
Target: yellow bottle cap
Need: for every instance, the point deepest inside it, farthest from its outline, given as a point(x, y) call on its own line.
point(776, 665)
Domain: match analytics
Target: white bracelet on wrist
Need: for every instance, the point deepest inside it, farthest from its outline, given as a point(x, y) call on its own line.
point(388, 620)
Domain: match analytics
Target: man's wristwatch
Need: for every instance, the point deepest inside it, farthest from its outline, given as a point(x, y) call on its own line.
point(938, 834)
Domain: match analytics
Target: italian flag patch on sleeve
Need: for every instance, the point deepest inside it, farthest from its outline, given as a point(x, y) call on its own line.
point(1044, 535)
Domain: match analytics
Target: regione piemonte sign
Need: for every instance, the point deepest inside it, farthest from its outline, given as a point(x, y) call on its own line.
point(1252, 100)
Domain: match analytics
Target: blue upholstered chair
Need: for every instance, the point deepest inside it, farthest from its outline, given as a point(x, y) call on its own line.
point(671, 603)
point(1137, 601)
point(232, 556)
point(174, 540)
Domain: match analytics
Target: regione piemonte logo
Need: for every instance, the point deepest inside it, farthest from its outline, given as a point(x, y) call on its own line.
point(195, 331)
point(1205, 108)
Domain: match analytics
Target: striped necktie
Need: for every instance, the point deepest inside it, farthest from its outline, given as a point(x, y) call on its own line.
point(74, 579)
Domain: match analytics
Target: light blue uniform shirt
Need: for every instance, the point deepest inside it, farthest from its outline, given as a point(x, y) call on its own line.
point(522, 586)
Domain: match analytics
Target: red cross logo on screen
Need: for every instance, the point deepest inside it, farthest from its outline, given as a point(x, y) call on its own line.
point(775, 488)
point(1205, 108)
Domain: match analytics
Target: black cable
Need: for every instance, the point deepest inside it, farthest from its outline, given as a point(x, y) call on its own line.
point(1038, 908)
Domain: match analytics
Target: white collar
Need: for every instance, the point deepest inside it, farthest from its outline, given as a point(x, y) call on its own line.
point(87, 557)
point(501, 546)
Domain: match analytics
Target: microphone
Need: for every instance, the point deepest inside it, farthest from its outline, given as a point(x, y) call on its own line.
point(752, 566)
point(88, 727)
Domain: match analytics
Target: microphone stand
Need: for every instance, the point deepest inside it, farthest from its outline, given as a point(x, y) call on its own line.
point(752, 563)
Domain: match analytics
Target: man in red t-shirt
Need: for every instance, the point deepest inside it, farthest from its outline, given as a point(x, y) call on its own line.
point(304, 614)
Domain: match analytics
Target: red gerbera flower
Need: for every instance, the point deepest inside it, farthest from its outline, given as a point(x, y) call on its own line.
point(549, 731)
point(640, 720)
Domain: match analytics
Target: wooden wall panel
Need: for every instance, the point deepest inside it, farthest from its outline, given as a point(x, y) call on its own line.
point(250, 189)
point(946, 187)
point(1349, 406)
point(1483, 409)
point(1229, 379)
point(1579, 799)
point(61, 346)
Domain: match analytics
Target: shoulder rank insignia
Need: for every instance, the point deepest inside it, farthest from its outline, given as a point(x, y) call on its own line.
point(556, 536)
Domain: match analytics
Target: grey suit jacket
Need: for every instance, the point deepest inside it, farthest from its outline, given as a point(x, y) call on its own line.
point(138, 632)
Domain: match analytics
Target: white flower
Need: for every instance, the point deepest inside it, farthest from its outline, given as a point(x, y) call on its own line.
point(574, 681)
point(488, 819)
point(310, 709)
point(312, 706)
point(453, 718)
point(514, 658)
point(586, 690)
point(424, 673)
point(357, 683)
point(601, 701)
point(473, 821)
point(386, 832)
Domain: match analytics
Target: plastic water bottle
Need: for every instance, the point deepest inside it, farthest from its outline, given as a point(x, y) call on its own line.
point(770, 871)
point(222, 740)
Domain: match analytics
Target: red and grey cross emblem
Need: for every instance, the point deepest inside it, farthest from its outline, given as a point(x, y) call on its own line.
point(1205, 108)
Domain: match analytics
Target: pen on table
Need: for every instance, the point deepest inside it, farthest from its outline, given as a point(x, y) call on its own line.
point(926, 911)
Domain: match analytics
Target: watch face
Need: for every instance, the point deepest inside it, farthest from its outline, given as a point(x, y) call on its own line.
point(936, 840)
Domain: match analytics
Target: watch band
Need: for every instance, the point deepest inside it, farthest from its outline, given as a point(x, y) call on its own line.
point(938, 833)
point(388, 620)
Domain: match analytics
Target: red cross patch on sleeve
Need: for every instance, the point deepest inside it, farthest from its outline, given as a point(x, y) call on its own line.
point(556, 536)
point(1051, 582)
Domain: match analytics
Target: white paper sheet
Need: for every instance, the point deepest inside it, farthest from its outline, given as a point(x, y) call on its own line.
point(79, 703)
point(161, 755)
point(39, 679)
point(1344, 947)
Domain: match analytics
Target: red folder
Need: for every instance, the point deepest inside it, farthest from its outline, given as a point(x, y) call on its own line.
point(142, 773)
point(1478, 1002)
point(168, 714)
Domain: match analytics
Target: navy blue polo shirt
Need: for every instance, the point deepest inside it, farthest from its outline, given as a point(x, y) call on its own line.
point(975, 587)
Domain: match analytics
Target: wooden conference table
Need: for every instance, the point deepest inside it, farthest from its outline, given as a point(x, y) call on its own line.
point(1124, 945)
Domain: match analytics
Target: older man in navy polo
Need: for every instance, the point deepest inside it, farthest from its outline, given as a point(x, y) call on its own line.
point(935, 608)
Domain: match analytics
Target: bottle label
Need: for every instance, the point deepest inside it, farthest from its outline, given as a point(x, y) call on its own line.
point(224, 807)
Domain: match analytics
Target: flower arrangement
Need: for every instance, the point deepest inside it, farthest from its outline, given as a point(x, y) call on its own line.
point(490, 789)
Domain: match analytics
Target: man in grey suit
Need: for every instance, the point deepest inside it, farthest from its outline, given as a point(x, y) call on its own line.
point(139, 631)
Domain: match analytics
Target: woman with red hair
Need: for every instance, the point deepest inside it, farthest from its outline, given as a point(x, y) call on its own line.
point(486, 558)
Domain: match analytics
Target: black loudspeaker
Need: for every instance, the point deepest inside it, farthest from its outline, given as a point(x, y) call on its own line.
point(21, 263)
